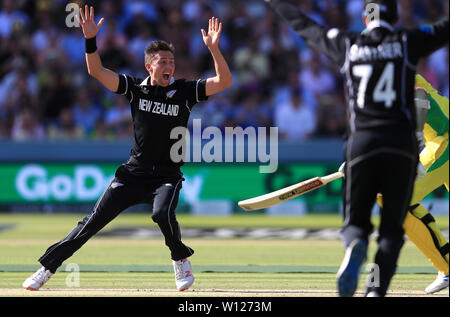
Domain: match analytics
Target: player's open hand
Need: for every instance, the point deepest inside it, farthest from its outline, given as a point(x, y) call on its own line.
point(211, 38)
point(90, 29)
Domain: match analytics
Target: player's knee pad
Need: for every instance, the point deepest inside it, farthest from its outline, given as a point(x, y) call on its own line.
point(390, 241)
point(389, 248)
point(160, 215)
point(351, 233)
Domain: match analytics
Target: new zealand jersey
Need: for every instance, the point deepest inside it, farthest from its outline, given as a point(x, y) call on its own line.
point(156, 111)
point(379, 66)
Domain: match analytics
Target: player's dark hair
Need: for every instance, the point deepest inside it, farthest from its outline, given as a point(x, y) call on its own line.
point(157, 46)
point(388, 9)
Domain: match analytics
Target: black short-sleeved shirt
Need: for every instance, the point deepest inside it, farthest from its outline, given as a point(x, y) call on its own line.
point(156, 110)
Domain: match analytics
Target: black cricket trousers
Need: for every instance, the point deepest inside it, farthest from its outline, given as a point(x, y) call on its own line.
point(383, 163)
point(161, 191)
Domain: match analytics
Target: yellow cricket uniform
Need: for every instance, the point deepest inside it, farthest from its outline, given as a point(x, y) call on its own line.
point(420, 225)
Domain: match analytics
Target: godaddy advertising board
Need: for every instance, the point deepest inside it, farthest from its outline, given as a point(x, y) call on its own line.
point(207, 187)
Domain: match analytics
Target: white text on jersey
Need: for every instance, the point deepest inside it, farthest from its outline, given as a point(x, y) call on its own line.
point(381, 52)
point(158, 107)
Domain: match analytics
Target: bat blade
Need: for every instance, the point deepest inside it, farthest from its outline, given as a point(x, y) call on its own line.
point(287, 193)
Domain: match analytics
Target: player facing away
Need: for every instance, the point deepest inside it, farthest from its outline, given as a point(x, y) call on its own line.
point(381, 149)
point(420, 226)
point(158, 104)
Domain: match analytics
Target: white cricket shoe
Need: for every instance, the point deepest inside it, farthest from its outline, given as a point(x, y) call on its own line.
point(39, 278)
point(440, 283)
point(183, 274)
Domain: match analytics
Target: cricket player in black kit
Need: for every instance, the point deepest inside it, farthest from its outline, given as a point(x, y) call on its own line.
point(381, 150)
point(158, 104)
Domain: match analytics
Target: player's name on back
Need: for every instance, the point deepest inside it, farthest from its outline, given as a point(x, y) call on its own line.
point(369, 53)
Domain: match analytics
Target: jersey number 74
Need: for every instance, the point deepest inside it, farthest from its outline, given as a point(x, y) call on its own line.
point(384, 90)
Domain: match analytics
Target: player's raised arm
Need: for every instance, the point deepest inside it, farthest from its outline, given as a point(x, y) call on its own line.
point(330, 42)
point(223, 77)
point(427, 39)
point(108, 78)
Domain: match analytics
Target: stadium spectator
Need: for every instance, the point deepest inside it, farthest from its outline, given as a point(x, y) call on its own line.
point(118, 118)
point(102, 133)
point(138, 44)
point(17, 85)
point(432, 76)
point(316, 78)
point(138, 12)
point(294, 120)
point(252, 112)
point(353, 11)
point(250, 63)
point(45, 32)
point(439, 63)
point(216, 110)
point(55, 91)
point(85, 113)
point(11, 18)
point(4, 131)
point(72, 43)
point(35, 40)
point(281, 60)
point(65, 128)
point(238, 26)
point(331, 116)
point(112, 36)
point(114, 49)
point(26, 127)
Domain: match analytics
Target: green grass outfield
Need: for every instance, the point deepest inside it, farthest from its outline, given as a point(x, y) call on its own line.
point(223, 267)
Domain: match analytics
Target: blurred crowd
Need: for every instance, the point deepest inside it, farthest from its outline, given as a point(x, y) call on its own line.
point(46, 92)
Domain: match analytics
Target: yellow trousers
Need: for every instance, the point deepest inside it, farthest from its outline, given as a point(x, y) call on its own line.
point(419, 224)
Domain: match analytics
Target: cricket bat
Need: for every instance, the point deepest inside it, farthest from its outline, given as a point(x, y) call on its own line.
point(290, 192)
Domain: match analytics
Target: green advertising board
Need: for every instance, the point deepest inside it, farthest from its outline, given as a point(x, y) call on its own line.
point(66, 183)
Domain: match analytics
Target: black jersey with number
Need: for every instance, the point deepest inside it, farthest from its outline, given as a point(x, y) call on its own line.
point(379, 65)
point(156, 111)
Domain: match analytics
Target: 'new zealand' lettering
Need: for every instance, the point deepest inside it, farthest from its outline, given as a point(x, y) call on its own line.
point(158, 107)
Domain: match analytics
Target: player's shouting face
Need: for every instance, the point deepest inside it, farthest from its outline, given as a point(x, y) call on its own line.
point(161, 68)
